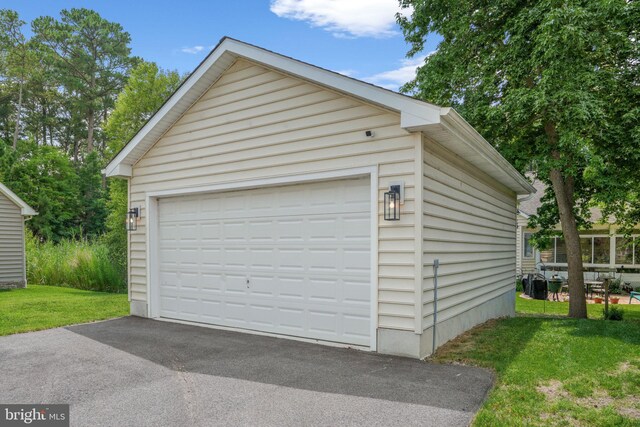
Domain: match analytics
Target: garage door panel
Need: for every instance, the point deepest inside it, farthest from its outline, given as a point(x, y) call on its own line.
point(289, 260)
point(356, 260)
point(291, 288)
point(357, 229)
point(212, 311)
point(262, 315)
point(356, 327)
point(263, 286)
point(211, 283)
point(323, 322)
point(211, 233)
point(323, 290)
point(235, 313)
point(355, 293)
point(235, 284)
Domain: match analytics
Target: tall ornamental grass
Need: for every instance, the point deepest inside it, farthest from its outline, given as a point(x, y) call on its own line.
point(79, 264)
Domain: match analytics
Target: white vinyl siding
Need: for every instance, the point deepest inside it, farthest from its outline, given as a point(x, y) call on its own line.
point(469, 224)
point(254, 123)
point(11, 242)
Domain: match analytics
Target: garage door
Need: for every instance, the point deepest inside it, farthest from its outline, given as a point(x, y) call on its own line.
point(292, 260)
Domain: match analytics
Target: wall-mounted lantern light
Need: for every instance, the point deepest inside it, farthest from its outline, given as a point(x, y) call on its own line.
point(392, 201)
point(132, 219)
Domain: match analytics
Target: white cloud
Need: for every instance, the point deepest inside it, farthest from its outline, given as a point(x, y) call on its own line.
point(344, 18)
point(393, 79)
point(193, 49)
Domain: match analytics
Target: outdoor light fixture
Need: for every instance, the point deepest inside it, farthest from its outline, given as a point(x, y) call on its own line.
point(132, 219)
point(392, 203)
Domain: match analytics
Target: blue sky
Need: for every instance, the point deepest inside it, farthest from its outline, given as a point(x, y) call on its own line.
point(356, 37)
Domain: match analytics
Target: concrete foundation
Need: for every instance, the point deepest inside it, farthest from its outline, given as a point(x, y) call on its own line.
point(138, 308)
point(410, 344)
point(502, 306)
point(399, 343)
point(13, 285)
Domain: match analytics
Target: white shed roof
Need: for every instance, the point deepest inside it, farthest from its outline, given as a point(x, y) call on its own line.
point(444, 125)
point(26, 210)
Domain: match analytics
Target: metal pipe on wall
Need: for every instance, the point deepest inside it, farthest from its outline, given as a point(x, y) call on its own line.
point(436, 264)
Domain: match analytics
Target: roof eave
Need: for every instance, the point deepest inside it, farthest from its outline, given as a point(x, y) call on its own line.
point(465, 135)
point(25, 209)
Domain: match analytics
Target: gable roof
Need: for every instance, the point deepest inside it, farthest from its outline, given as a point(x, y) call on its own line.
point(444, 125)
point(25, 209)
point(529, 206)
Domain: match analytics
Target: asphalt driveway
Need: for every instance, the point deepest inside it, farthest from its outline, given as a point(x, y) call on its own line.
point(141, 372)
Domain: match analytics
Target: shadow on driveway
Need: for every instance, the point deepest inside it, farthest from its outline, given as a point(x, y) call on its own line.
point(294, 364)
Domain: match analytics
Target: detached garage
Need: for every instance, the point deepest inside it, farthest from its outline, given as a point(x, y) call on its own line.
point(276, 197)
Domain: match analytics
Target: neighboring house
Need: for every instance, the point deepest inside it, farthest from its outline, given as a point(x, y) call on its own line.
point(261, 184)
point(603, 247)
point(13, 213)
point(527, 257)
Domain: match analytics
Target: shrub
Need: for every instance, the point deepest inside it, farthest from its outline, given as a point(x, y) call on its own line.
point(79, 264)
point(116, 236)
point(519, 285)
point(615, 286)
point(615, 313)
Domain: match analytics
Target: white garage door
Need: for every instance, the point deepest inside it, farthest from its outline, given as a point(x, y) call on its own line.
point(291, 260)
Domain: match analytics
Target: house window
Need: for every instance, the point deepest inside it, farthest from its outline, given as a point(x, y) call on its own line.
point(586, 246)
point(557, 253)
point(594, 250)
point(546, 256)
point(624, 250)
point(601, 250)
point(528, 248)
point(560, 251)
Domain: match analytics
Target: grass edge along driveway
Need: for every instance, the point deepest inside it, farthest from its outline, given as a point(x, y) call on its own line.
point(38, 307)
point(555, 372)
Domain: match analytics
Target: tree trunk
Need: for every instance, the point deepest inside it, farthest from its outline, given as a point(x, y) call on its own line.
point(76, 150)
point(577, 297)
point(91, 116)
point(44, 124)
point(16, 132)
point(90, 124)
point(563, 190)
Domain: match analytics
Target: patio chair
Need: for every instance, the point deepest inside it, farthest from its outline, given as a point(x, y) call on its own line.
point(633, 295)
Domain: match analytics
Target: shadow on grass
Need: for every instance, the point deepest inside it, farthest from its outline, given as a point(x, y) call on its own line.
point(494, 344)
point(530, 354)
point(628, 332)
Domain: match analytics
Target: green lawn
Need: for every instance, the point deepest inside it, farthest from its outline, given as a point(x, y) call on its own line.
point(553, 371)
point(42, 307)
point(531, 306)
